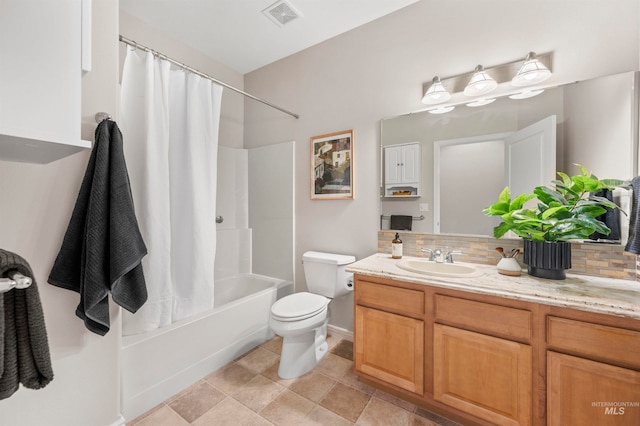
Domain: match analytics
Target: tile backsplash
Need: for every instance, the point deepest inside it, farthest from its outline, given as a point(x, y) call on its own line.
point(604, 260)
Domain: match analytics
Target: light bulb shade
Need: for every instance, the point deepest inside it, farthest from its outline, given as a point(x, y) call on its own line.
point(480, 83)
point(436, 93)
point(531, 72)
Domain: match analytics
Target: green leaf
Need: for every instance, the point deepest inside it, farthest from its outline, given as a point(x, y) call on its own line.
point(504, 196)
point(500, 230)
point(547, 195)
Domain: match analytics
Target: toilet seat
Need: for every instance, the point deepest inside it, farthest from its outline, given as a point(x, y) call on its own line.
point(298, 306)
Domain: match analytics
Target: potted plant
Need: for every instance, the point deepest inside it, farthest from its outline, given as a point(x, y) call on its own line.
point(561, 214)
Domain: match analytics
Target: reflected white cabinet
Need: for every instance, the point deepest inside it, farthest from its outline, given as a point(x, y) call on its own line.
point(402, 170)
point(40, 78)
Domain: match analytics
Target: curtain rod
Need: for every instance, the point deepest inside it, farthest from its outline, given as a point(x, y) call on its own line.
point(201, 74)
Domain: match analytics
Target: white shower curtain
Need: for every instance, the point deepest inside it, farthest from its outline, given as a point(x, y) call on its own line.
point(170, 120)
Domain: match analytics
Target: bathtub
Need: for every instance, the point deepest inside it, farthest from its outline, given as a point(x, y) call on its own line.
point(161, 363)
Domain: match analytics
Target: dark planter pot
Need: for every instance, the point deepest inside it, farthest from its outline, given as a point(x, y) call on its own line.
point(547, 259)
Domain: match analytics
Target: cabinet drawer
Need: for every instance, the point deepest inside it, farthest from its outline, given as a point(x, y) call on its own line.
point(408, 302)
point(603, 342)
point(483, 317)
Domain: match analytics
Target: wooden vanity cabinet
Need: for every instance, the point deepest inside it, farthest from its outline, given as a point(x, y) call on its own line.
point(478, 372)
point(593, 372)
point(389, 323)
point(488, 360)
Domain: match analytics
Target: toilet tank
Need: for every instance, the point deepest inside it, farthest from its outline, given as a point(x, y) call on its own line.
point(325, 273)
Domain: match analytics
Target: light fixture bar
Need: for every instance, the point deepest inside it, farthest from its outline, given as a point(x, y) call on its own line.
point(500, 73)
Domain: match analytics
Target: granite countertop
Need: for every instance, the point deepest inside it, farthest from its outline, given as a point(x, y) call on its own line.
point(587, 293)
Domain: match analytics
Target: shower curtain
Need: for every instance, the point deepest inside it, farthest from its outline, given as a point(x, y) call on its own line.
point(170, 120)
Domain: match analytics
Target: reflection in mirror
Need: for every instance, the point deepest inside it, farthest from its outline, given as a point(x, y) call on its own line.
point(595, 126)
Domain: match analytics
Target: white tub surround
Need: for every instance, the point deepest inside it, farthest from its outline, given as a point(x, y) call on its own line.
point(592, 294)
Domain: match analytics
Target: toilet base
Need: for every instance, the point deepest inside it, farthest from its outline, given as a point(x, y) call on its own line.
point(301, 353)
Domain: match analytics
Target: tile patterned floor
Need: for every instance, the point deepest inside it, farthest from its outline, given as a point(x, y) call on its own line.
point(248, 391)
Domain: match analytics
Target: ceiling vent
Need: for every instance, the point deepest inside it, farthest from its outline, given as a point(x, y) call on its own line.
point(281, 13)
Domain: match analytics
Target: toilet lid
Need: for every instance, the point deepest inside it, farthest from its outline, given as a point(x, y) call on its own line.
point(298, 306)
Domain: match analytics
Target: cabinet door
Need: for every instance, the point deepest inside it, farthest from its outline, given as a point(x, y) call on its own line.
point(390, 347)
point(584, 392)
point(411, 163)
point(393, 165)
point(40, 80)
point(482, 375)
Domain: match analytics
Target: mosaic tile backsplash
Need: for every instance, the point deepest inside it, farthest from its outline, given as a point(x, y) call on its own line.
point(603, 260)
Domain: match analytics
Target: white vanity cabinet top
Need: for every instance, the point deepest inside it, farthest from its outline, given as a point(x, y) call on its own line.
point(582, 292)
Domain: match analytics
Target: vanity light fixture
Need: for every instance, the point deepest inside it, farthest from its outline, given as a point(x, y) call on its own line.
point(481, 102)
point(436, 94)
point(441, 109)
point(526, 94)
point(481, 83)
point(523, 74)
point(531, 72)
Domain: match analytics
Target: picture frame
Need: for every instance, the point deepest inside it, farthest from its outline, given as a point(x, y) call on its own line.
point(332, 166)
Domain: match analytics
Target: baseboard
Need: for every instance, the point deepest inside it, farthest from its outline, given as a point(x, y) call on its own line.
point(119, 422)
point(340, 332)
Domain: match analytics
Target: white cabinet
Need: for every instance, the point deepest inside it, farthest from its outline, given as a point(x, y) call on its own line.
point(40, 78)
point(402, 170)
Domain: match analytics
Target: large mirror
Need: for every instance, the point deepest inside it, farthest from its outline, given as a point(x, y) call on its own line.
point(462, 161)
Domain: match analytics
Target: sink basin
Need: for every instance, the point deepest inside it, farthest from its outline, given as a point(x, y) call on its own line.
point(453, 270)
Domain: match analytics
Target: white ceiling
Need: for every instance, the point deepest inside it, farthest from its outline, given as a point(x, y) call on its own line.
point(237, 33)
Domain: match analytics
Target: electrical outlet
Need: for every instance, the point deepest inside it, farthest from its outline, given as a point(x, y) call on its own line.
point(424, 207)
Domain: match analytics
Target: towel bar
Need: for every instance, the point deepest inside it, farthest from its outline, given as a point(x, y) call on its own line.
point(18, 281)
point(421, 217)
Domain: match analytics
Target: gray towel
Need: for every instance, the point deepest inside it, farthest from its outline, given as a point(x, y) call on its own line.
point(23, 337)
point(633, 243)
point(102, 249)
point(400, 222)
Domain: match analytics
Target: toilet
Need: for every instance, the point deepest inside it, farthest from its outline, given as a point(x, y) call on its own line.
point(301, 318)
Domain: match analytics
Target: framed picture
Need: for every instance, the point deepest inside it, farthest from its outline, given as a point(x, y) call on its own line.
point(332, 166)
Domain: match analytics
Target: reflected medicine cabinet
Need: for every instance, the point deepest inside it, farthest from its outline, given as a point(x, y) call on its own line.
point(402, 170)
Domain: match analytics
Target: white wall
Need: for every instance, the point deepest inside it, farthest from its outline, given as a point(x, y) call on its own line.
point(36, 205)
point(377, 70)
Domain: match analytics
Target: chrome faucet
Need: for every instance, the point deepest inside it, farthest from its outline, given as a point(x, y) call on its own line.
point(434, 255)
point(448, 258)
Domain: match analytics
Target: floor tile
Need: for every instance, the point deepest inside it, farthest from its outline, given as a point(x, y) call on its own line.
point(344, 348)
point(320, 416)
point(345, 401)
point(259, 360)
point(382, 413)
point(230, 378)
point(257, 393)
point(274, 345)
point(313, 385)
point(334, 366)
point(230, 412)
point(288, 408)
point(200, 398)
point(351, 379)
point(163, 416)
